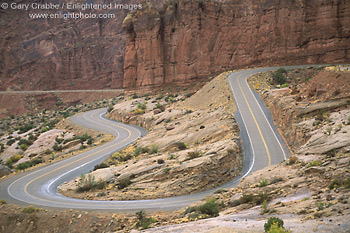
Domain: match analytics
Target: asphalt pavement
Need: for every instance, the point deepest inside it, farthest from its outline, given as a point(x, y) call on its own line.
point(261, 141)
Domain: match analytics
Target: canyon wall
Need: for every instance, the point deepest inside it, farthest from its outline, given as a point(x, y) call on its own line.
point(188, 40)
point(47, 54)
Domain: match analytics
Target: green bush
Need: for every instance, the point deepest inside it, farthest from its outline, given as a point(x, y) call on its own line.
point(28, 164)
point(100, 166)
point(15, 158)
point(139, 111)
point(159, 97)
point(279, 76)
point(193, 155)
point(314, 164)
point(26, 128)
point(10, 142)
point(86, 183)
point(210, 207)
point(142, 221)
point(154, 149)
point(9, 163)
point(263, 182)
point(181, 146)
point(137, 151)
point(57, 147)
point(271, 221)
point(246, 198)
point(277, 229)
point(124, 182)
point(30, 209)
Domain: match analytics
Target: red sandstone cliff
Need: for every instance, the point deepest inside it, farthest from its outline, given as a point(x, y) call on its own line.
point(45, 54)
point(193, 39)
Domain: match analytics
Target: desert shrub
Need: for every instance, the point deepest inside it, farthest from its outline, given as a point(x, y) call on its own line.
point(261, 197)
point(277, 229)
point(264, 207)
point(142, 106)
point(86, 183)
point(23, 147)
point(193, 155)
point(320, 206)
point(222, 190)
point(90, 141)
point(82, 138)
point(210, 207)
point(30, 209)
point(68, 140)
point(2, 202)
point(284, 85)
point(263, 182)
point(15, 158)
point(335, 184)
point(160, 107)
point(137, 151)
point(100, 166)
point(142, 221)
point(124, 182)
point(101, 184)
point(26, 128)
point(346, 183)
point(314, 164)
point(59, 140)
point(329, 130)
point(271, 221)
point(110, 108)
point(82, 147)
point(246, 198)
point(181, 146)
point(190, 210)
point(154, 149)
point(122, 157)
point(9, 163)
point(47, 152)
point(171, 156)
point(57, 147)
point(144, 150)
point(23, 166)
point(166, 170)
point(139, 111)
point(159, 97)
point(10, 142)
point(279, 76)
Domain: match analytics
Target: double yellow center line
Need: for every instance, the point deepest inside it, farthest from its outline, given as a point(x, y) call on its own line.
point(256, 123)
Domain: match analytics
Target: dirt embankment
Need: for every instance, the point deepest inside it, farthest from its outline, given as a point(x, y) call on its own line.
point(316, 100)
point(192, 145)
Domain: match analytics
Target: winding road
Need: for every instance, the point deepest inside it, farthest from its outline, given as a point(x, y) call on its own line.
point(262, 145)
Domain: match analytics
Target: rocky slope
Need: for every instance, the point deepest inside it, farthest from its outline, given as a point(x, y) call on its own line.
point(189, 40)
point(192, 145)
point(310, 191)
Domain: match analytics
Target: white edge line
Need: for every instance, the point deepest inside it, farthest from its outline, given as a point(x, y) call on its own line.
point(250, 140)
point(246, 81)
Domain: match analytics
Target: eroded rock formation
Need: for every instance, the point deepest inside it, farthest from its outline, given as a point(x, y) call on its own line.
point(189, 40)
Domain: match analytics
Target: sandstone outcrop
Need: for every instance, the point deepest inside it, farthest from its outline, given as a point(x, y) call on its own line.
point(188, 40)
point(46, 54)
